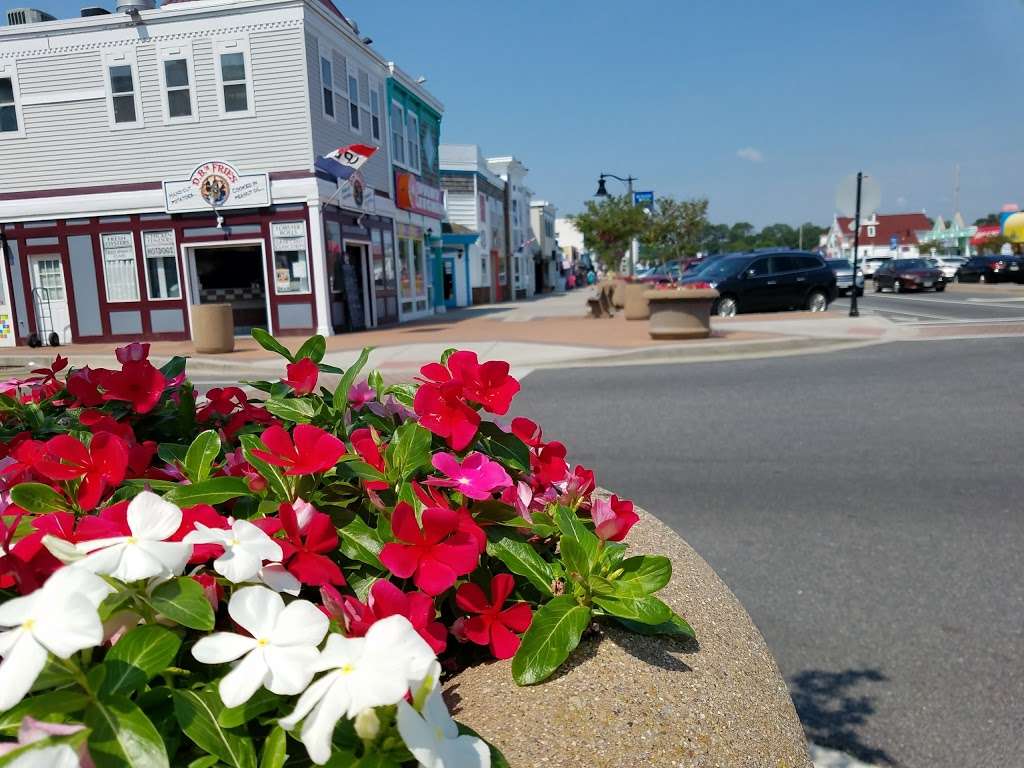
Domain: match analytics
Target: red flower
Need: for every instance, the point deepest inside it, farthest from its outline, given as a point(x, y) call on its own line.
point(385, 599)
point(305, 544)
point(250, 414)
point(613, 518)
point(548, 464)
point(485, 383)
point(138, 383)
point(83, 384)
point(492, 625)
point(99, 466)
point(313, 450)
point(528, 431)
point(132, 353)
point(221, 401)
point(302, 376)
point(435, 555)
point(364, 442)
point(208, 516)
point(442, 410)
point(434, 497)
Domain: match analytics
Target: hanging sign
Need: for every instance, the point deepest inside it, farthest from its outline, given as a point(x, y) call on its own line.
point(216, 185)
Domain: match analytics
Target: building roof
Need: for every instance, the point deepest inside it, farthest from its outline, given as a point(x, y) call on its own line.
point(904, 226)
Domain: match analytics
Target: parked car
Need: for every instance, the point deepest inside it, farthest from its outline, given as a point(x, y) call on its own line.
point(668, 272)
point(871, 264)
point(949, 265)
point(992, 269)
point(909, 275)
point(760, 281)
point(844, 276)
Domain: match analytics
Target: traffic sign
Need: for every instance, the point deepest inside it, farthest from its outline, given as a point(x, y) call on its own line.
point(894, 243)
point(645, 199)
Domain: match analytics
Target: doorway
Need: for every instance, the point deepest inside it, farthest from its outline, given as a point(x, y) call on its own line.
point(235, 275)
point(349, 296)
point(49, 298)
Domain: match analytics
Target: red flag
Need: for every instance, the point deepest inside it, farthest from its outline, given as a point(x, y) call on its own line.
point(353, 155)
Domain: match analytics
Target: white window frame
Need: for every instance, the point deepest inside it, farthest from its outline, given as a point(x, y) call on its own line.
point(358, 128)
point(175, 52)
point(328, 60)
point(135, 269)
point(9, 70)
point(305, 248)
point(871, 230)
point(145, 267)
point(409, 144)
point(121, 58)
point(234, 44)
point(395, 104)
point(375, 92)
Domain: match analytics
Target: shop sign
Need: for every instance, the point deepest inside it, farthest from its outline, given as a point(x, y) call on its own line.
point(216, 185)
point(289, 235)
point(355, 193)
point(159, 244)
point(414, 195)
point(118, 246)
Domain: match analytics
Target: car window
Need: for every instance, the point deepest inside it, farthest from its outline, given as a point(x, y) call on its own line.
point(759, 268)
point(810, 262)
point(781, 264)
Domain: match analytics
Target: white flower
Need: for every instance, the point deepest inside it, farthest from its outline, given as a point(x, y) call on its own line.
point(245, 549)
point(281, 652)
point(145, 553)
point(57, 756)
point(362, 672)
point(280, 579)
point(60, 617)
point(433, 737)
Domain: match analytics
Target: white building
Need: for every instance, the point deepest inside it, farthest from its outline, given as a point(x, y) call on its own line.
point(881, 236)
point(547, 256)
point(517, 196)
point(171, 157)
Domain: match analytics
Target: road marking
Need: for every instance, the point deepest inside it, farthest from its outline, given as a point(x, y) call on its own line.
point(963, 302)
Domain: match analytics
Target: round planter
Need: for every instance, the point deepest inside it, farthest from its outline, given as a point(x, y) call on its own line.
point(636, 307)
point(681, 313)
point(619, 293)
point(213, 328)
point(626, 699)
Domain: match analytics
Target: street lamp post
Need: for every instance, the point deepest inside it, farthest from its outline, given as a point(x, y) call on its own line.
point(634, 245)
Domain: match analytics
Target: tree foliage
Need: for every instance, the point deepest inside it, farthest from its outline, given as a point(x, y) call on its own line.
point(608, 226)
point(676, 228)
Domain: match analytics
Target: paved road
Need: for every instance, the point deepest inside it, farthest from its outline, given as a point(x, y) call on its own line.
point(866, 508)
point(962, 305)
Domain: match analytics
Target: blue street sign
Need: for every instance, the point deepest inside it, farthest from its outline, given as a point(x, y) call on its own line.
point(894, 243)
point(645, 199)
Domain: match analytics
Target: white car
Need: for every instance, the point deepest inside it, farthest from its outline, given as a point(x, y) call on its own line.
point(872, 263)
point(949, 265)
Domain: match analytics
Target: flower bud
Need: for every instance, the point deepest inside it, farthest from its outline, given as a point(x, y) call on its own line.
point(367, 724)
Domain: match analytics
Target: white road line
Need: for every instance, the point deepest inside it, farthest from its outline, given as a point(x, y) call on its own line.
point(963, 302)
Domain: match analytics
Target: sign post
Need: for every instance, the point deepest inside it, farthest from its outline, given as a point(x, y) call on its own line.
point(857, 193)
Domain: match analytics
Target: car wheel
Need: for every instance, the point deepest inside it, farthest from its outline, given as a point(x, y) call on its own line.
point(940, 288)
point(878, 286)
point(897, 286)
point(817, 302)
point(725, 307)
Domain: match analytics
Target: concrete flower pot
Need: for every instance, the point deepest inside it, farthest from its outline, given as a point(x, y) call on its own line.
point(213, 328)
point(636, 307)
point(626, 699)
point(619, 293)
point(681, 313)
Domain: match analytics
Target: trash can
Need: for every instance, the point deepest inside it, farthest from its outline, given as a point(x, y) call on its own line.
point(213, 328)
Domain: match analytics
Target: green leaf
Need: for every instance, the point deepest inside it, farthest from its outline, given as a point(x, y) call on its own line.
point(296, 409)
point(504, 446)
point(213, 491)
point(260, 702)
point(314, 348)
point(273, 475)
point(274, 749)
point(408, 451)
point(522, 559)
point(676, 626)
point(554, 633)
point(136, 658)
point(271, 344)
point(172, 453)
point(195, 713)
point(577, 564)
point(204, 762)
point(38, 498)
point(41, 707)
point(360, 542)
point(123, 736)
point(641, 576)
point(646, 610)
point(173, 367)
point(200, 455)
point(364, 471)
point(574, 528)
point(182, 601)
point(348, 379)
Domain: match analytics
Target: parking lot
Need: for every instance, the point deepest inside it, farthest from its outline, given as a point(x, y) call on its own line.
point(959, 303)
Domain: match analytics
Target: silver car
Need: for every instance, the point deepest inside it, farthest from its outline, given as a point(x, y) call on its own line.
point(949, 265)
point(844, 277)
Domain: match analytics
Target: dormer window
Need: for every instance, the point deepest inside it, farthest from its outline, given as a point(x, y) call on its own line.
point(871, 230)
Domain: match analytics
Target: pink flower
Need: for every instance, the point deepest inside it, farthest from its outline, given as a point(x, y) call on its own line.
point(613, 518)
point(442, 410)
point(132, 353)
point(434, 555)
point(32, 730)
point(385, 599)
point(477, 477)
point(359, 395)
point(302, 376)
point(312, 452)
point(519, 496)
point(493, 626)
point(138, 383)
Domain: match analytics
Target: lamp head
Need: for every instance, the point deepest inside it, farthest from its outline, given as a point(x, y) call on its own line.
point(601, 191)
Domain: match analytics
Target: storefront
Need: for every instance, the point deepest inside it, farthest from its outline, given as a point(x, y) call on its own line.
point(418, 246)
point(361, 275)
point(455, 265)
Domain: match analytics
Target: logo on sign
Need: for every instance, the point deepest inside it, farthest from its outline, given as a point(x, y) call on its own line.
point(216, 185)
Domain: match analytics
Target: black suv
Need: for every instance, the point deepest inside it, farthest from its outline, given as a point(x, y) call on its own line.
point(991, 269)
point(768, 280)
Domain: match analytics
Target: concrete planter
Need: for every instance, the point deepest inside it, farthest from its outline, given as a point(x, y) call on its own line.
point(626, 699)
point(636, 307)
point(213, 328)
point(619, 293)
point(681, 313)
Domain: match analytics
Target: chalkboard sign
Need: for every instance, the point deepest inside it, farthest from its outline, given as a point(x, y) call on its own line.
point(353, 297)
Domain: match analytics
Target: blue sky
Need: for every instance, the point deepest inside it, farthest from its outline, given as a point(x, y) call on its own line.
point(760, 106)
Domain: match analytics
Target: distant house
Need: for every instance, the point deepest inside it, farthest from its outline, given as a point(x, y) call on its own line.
point(885, 235)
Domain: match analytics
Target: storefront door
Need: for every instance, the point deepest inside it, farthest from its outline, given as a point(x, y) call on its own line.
point(350, 296)
point(235, 275)
point(448, 280)
point(49, 298)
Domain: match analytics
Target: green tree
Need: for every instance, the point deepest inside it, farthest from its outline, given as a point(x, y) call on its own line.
point(676, 228)
point(608, 226)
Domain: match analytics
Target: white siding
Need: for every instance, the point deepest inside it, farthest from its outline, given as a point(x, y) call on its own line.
point(71, 144)
point(462, 210)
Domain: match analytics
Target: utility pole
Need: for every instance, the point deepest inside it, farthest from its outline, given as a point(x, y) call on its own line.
point(801, 237)
point(854, 312)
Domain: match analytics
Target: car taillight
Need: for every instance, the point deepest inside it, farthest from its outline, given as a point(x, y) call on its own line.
point(998, 264)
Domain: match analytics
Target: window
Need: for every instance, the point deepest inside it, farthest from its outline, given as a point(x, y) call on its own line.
point(10, 110)
point(327, 85)
point(353, 102)
point(375, 113)
point(413, 139)
point(397, 133)
point(177, 81)
point(759, 268)
point(291, 265)
point(124, 105)
point(871, 231)
point(786, 264)
point(234, 77)
point(161, 257)
point(50, 277)
point(119, 271)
